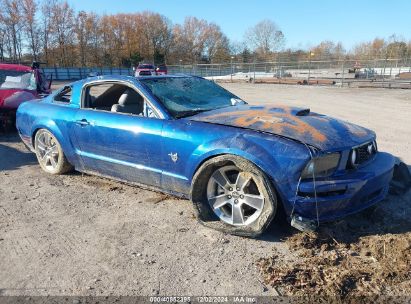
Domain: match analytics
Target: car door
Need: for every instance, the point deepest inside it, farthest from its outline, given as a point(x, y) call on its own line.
point(123, 146)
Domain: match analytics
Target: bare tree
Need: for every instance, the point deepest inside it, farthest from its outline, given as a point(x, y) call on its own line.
point(265, 37)
point(29, 8)
point(11, 17)
point(328, 50)
point(62, 17)
point(157, 31)
point(197, 40)
point(45, 30)
point(87, 32)
point(50, 30)
point(189, 39)
point(3, 34)
point(217, 45)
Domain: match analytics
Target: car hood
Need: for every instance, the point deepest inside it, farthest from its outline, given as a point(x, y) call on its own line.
point(12, 98)
point(300, 124)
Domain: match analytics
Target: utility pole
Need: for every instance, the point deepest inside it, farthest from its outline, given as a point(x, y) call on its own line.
point(231, 67)
point(254, 69)
point(309, 66)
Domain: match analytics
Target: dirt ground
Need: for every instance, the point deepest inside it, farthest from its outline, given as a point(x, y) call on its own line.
point(83, 235)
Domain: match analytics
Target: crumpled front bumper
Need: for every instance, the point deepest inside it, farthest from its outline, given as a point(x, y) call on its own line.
point(347, 194)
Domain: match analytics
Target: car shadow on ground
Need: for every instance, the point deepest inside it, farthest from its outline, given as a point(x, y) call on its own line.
point(279, 229)
point(9, 137)
point(11, 158)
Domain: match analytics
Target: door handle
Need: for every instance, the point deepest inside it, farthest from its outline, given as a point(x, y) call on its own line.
point(82, 122)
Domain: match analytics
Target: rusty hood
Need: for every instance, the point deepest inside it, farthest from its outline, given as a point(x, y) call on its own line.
point(323, 132)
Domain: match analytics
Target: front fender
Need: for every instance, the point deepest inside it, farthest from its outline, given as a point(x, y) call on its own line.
point(281, 159)
point(238, 146)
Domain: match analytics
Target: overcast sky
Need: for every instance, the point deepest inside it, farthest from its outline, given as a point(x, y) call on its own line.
point(304, 23)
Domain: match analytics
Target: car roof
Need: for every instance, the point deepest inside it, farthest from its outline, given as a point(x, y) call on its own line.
point(163, 76)
point(15, 67)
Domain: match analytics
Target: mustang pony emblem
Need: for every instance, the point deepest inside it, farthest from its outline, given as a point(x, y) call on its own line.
point(173, 156)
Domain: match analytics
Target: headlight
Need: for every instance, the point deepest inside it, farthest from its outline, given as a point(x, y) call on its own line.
point(353, 158)
point(322, 166)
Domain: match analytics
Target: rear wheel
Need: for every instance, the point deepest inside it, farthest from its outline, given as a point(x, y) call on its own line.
point(233, 195)
point(50, 154)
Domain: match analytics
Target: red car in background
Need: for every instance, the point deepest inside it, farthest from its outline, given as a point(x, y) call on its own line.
point(161, 69)
point(19, 83)
point(144, 69)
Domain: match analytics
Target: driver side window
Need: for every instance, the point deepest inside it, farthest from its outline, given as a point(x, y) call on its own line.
point(117, 98)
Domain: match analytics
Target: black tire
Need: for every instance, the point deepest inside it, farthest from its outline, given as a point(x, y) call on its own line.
point(205, 212)
point(61, 163)
point(9, 123)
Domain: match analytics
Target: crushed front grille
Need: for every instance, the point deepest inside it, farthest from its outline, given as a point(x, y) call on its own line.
point(365, 152)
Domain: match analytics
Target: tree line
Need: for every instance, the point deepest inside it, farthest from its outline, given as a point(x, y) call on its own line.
point(51, 31)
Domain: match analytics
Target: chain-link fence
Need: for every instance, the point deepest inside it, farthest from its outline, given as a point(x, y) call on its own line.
point(62, 74)
point(378, 72)
point(342, 72)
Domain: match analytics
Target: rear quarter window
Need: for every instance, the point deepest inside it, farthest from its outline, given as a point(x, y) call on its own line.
point(64, 95)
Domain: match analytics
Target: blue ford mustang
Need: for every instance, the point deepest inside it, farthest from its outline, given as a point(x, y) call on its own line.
point(188, 136)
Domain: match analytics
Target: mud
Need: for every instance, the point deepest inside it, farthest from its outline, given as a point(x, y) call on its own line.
point(366, 254)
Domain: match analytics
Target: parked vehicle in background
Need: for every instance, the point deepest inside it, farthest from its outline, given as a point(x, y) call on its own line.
point(366, 73)
point(19, 83)
point(161, 69)
point(93, 74)
point(189, 137)
point(144, 69)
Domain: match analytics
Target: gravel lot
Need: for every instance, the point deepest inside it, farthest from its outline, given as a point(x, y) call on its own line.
point(83, 235)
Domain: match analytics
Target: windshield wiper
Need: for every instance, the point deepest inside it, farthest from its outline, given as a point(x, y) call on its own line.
point(187, 113)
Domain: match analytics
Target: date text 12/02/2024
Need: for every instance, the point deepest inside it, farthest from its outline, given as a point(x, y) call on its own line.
point(203, 299)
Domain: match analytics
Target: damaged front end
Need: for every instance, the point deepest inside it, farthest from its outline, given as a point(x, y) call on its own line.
point(326, 199)
point(344, 174)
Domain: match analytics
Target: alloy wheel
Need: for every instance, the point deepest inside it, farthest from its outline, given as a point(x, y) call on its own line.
point(48, 150)
point(234, 196)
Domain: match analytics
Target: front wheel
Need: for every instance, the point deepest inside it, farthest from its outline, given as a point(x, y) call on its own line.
point(233, 195)
point(50, 154)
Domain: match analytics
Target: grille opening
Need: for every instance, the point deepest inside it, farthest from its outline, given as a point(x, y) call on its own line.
point(362, 153)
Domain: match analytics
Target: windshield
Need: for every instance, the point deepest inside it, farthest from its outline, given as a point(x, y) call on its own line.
point(185, 96)
point(10, 79)
point(145, 66)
